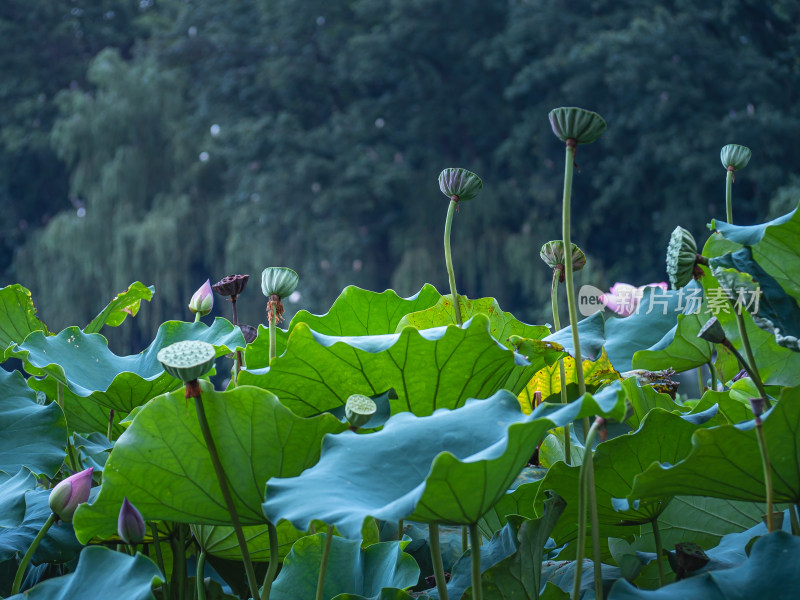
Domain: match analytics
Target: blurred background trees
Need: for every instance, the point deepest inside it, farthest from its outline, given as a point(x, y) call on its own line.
point(170, 141)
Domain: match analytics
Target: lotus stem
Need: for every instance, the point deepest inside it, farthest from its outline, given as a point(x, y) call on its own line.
point(562, 372)
point(273, 337)
point(728, 201)
point(475, 544)
point(448, 257)
point(597, 560)
point(701, 385)
point(274, 560)
point(464, 539)
point(762, 446)
point(238, 352)
point(29, 554)
point(324, 562)
point(662, 579)
point(159, 557)
point(199, 580)
point(750, 366)
point(226, 494)
point(582, 496)
point(400, 529)
point(713, 372)
point(436, 558)
point(179, 562)
point(110, 424)
point(793, 516)
point(71, 460)
point(196, 317)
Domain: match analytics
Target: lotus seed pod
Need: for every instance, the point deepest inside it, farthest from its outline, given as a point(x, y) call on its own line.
point(681, 257)
point(278, 281)
point(359, 410)
point(187, 360)
point(734, 156)
point(571, 123)
point(552, 253)
point(712, 332)
point(232, 285)
point(461, 183)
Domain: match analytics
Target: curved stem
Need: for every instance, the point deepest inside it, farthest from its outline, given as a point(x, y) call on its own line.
point(226, 494)
point(565, 234)
point(29, 554)
point(159, 558)
point(436, 559)
point(584, 485)
point(274, 560)
point(323, 566)
point(475, 544)
point(562, 372)
point(448, 258)
point(728, 202)
point(662, 579)
point(762, 446)
point(750, 367)
point(199, 579)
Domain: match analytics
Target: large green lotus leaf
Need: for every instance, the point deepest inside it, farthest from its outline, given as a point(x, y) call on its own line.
point(31, 435)
point(162, 465)
point(778, 253)
point(662, 436)
point(58, 545)
point(501, 324)
point(770, 572)
point(350, 570)
point(354, 312)
point(17, 317)
point(12, 497)
point(449, 467)
point(749, 235)
point(429, 369)
point(651, 326)
point(548, 380)
point(122, 306)
point(725, 461)
point(221, 541)
point(90, 370)
point(776, 365)
point(101, 573)
point(685, 351)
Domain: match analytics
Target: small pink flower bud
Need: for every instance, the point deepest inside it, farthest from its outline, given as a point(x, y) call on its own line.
point(68, 494)
point(130, 525)
point(203, 300)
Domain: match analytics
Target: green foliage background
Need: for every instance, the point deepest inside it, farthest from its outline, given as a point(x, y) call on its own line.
point(334, 121)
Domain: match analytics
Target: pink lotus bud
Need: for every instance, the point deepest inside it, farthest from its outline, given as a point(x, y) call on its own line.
point(624, 297)
point(203, 300)
point(130, 525)
point(68, 494)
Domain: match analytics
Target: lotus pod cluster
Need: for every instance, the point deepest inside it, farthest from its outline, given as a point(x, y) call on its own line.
point(278, 281)
point(552, 253)
point(735, 157)
point(581, 125)
point(187, 360)
point(232, 285)
point(359, 410)
point(681, 257)
point(464, 185)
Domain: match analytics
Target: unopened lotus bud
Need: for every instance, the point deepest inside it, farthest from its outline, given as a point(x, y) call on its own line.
point(232, 285)
point(187, 360)
point(278, 281)
point(464, 185)
point(203, 300)
point(577, 124)
point(69, 493)
point(712, 332)
point(130, 524)
point(681, 258)
point(757, 404)
point(552, 253)
point(359, 410)
point(735, 157)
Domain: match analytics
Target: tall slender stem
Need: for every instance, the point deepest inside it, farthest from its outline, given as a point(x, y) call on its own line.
point(29, 554)
point(436, 558)
point(238, 352)
point(475, 544)
point(226, 494)
point(274, 560)
point(448, 257)
point(323, 566)
point(597, 561)
point(701, 385)
point(464, 539)
point(728, 202)
point(562, 372)
point(713, 375)
point(751, 362)
point(72, 461)
point(160, 558)
point(582, 497)
point(662, 579)
point(762, 446)
point(179, 562)
point(199, 579)
point(110, 424)
point(273, 338)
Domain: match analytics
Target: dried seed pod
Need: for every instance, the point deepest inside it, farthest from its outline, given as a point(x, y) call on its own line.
point(232, 285)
